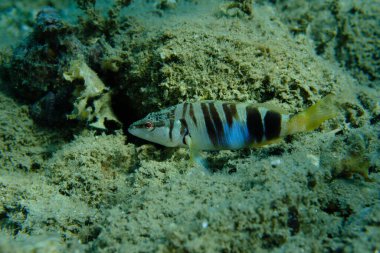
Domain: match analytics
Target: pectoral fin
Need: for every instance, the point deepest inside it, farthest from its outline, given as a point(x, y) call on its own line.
point(195, 153)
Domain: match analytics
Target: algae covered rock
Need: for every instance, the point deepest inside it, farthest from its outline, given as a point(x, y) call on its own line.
point(254, 60)
point(37, 62)
point(43, 68)
point(147, 66)
point(36, 68)
point(151, 63)
point(342, 31)
point(92, 168)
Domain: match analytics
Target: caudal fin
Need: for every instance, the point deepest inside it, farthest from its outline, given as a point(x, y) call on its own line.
point(313, 116)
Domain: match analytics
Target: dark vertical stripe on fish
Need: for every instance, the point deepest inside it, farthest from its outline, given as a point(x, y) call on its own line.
point(234, 112)
point(217, 122)
point(171, 126)
point(191, 113)
point(184, 130)
point(183, 126)
point(230, 112)
point(254, 124)
point(208, 121)
point(184, 109)
point(272, 122)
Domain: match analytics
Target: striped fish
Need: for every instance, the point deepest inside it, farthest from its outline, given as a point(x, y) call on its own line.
point(217, 125)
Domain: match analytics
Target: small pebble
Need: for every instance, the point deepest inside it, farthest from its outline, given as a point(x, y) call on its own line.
point(275, 163)
point(313, 159)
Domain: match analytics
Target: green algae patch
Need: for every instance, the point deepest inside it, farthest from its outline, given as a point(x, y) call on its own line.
point(341, 31)
point(353, 153)
point(237, 8)
point(23, 145)
point(36, 217)
point(92, 168)
point(265, 201)
point(237, 60)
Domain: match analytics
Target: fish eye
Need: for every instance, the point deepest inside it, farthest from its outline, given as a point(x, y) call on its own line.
point(149, 125)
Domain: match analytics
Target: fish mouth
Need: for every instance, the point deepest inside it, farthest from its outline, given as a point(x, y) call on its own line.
point(131, 128)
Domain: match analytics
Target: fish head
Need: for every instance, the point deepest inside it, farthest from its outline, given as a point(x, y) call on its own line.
point(160, 128)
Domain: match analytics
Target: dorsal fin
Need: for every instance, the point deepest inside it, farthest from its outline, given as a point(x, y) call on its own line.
point(272, 107)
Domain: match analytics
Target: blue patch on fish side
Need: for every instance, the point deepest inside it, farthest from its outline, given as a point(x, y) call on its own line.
point(236, 136)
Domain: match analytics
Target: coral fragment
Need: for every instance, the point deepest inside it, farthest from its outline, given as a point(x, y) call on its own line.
point(93, 101)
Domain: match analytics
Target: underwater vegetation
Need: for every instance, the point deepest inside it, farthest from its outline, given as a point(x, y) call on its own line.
point(237, 8)
point(42, 66)
point(145, 66)
point(81, 72)
point(344, 31)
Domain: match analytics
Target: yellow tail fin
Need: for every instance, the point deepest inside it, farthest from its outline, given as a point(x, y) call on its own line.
point(313, 116)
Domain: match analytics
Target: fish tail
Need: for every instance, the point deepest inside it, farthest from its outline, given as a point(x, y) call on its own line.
point(313, 116)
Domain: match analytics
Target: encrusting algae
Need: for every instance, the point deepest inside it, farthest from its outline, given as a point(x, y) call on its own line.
point(353, 164)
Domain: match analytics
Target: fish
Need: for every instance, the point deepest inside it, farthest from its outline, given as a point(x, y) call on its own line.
point(218, 125)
